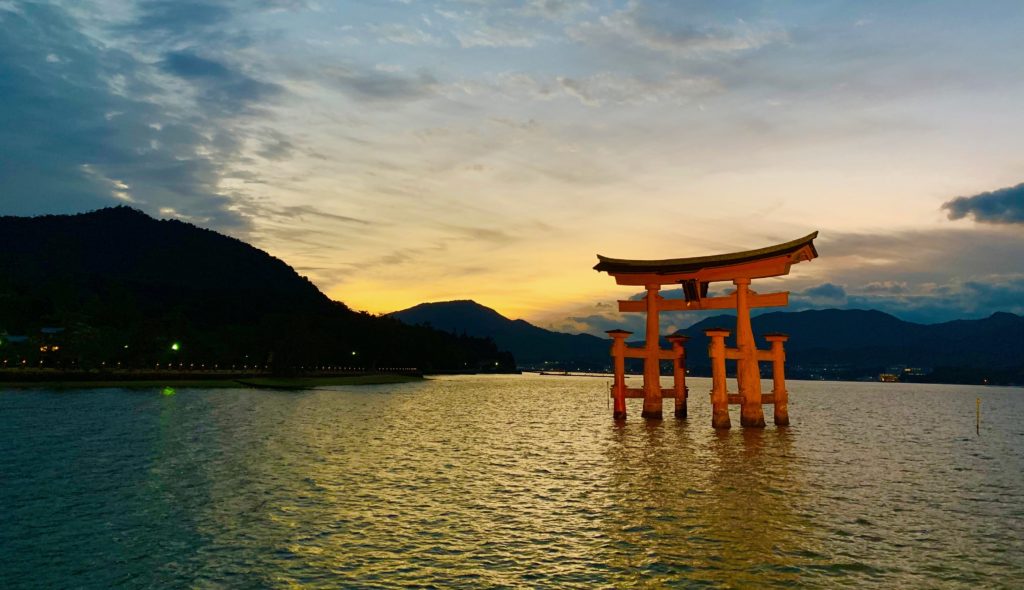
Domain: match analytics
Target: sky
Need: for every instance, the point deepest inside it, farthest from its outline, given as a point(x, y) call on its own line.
point(398, 152)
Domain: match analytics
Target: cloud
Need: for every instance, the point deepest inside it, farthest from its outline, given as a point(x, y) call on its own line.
point(380, 86)
point(486, 35)
point(824, 291)
point(303, 211)
point(89, 131)
point(275, 146)
point(173, 18)
point(504, 24)
point(403, 35)
point(931, 303)
point(674, 30)
point(609, 88)
point(1005, 205)
point(220, 87)
point(482, 235)
point(890, 287)
point(207, 23)
point(603, 88)
point(556, 9)
point(923, 256)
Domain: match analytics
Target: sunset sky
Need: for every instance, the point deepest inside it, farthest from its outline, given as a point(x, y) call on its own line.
point(398, 152)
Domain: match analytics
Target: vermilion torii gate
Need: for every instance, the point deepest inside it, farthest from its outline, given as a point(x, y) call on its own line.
point(695, 274)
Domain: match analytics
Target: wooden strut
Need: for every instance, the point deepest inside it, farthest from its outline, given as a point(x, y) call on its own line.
point(679, 392)
point(721, 399)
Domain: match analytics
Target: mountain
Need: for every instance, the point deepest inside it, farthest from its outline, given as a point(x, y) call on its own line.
point(532, 346)
point(854, 343)
point(824, 344)
point(120, 286)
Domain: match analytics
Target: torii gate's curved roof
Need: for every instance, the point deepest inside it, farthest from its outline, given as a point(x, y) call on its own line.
point(674, 266)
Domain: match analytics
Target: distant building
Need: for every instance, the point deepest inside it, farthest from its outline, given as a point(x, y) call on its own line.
point(51, 340)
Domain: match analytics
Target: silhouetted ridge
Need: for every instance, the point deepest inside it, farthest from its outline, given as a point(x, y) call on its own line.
point(531, 345)
point(118, 275)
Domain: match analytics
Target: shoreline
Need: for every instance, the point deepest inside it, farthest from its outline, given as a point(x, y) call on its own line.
point(213, 382)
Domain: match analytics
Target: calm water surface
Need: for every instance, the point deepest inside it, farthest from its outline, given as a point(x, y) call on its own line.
point(518, 481)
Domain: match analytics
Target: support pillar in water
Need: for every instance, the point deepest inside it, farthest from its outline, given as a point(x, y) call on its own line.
point(679, 374)
point(652, 358)
point(619, 385)
point(747, 372)
point(719, 396)
point(779, 378)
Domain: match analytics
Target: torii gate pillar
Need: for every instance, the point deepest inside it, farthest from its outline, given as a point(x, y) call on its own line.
point(747, 372)
point(652, 364)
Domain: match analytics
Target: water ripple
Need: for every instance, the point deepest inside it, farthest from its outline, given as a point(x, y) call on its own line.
point(470, 482)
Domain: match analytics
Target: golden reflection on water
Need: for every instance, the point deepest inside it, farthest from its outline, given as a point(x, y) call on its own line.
point(702, 504)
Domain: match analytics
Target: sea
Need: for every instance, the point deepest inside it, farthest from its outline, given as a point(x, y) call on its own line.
point(515, 481)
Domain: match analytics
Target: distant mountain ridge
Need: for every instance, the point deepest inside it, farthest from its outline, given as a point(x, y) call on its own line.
point(870, 338)
point(531, 345)
point(830, 343)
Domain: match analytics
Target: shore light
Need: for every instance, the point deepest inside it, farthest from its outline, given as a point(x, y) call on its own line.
point(176, 347)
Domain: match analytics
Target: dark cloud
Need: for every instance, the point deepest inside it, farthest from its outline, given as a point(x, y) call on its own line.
point(1005, 205)
point(188, 65)
point(919, 257)
point(275, 146)
point(929, 304)
point(890, 287)
point(302, 211)
point(177, 16)
point(148, 120)
point(222, 88)
point(80, 131)
point(1007, 295)
point(827, 291)
point(210, 23)
point(377, 86)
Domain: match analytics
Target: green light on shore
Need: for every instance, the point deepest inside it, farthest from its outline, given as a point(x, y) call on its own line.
point(175, 347)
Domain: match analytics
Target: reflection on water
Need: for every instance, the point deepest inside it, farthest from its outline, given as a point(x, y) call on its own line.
point(507, 481)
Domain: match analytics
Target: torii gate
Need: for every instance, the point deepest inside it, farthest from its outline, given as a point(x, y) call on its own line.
point(695, 274)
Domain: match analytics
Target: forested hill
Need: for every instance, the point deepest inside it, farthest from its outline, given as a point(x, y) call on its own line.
point(118, 285)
